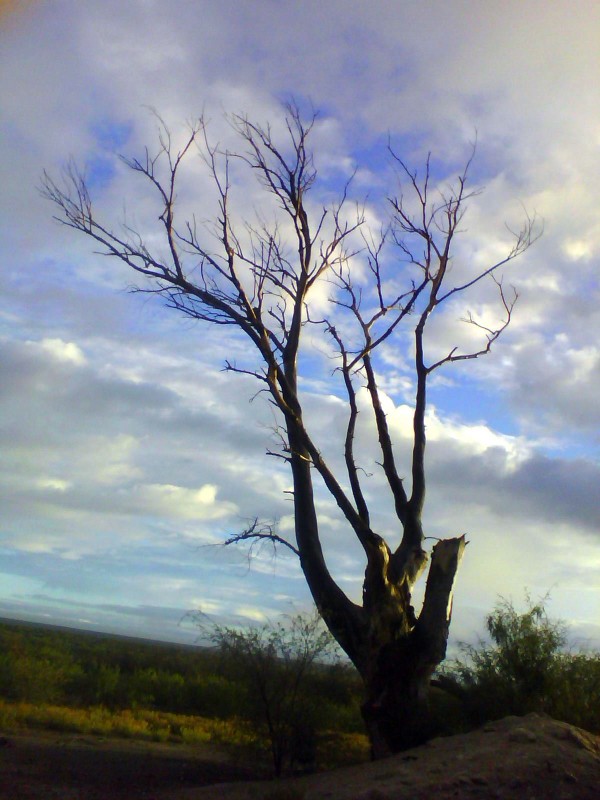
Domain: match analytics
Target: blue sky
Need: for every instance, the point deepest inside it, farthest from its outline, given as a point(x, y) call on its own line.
point(126, 452)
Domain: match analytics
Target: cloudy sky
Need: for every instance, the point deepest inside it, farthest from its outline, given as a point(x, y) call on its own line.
point(126, 452)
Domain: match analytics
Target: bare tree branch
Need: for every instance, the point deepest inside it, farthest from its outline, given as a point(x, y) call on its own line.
point(263, 277)
point(260, 532)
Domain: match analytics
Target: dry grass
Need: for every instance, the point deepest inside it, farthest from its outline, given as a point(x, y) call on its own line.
point(334, 749)
point(157, 726)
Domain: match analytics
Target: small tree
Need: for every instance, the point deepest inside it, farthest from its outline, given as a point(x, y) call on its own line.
point(514, 674)
point(385, 286)
point(526, 668)
point(274, 663)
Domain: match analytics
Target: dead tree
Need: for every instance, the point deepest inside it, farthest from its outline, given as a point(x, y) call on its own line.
point(259, 278)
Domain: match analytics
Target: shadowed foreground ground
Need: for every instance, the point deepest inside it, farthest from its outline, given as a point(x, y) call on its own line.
point(73, 767)
point(516, 758)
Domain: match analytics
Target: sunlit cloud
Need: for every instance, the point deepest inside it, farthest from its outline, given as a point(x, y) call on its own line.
point(125, 447)
point(179, 501)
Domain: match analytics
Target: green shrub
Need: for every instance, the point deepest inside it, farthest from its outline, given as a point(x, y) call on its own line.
point(575, 695)
point(71, 681)
point(526, 668)
point(215, 696)
point(277, 668)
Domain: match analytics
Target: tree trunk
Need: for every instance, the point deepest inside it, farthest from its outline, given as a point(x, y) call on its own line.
point(396, 711)
point(399, 718)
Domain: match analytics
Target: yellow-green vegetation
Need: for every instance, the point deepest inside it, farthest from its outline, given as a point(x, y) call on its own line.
point(335, 748)
point(157, 726)
point(295, 687)
point(263, 693)
point(114, 687)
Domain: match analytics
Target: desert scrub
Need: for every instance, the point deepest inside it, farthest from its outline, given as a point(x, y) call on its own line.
point(333, 748)
point(526, 667)
point(131, 724)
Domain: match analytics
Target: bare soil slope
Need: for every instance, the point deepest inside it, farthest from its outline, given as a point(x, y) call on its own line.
point(527, 757)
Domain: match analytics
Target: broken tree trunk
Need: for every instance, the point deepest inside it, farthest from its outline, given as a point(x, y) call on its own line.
point(396, 712)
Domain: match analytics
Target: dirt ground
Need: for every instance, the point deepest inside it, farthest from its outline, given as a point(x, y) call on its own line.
point(71, 767)
point(528, 758)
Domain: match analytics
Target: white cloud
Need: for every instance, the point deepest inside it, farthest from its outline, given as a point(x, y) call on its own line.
point(578, 249)
point(178, 501)
point(55, 484)
point(477, 439)
point(122, 439)
point(64, 351)
point(109, 460)
point(253, 613)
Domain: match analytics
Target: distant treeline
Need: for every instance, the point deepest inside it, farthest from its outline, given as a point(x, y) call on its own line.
point(270, 680)
point(42, 665)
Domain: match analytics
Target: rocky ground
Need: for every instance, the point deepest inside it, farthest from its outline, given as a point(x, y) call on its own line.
point(528, 758)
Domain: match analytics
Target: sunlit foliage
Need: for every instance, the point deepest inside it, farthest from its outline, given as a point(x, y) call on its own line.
point(67, 681)
point(526, 666)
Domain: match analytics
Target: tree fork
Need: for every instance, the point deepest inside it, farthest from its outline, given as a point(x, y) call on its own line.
point(250, 282)
point(405, 652)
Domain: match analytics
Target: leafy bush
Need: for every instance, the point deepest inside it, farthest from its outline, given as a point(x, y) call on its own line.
point(277, 666)
point(215, 696)
point(44, 677)
point(576, 694)
point(526, 668)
